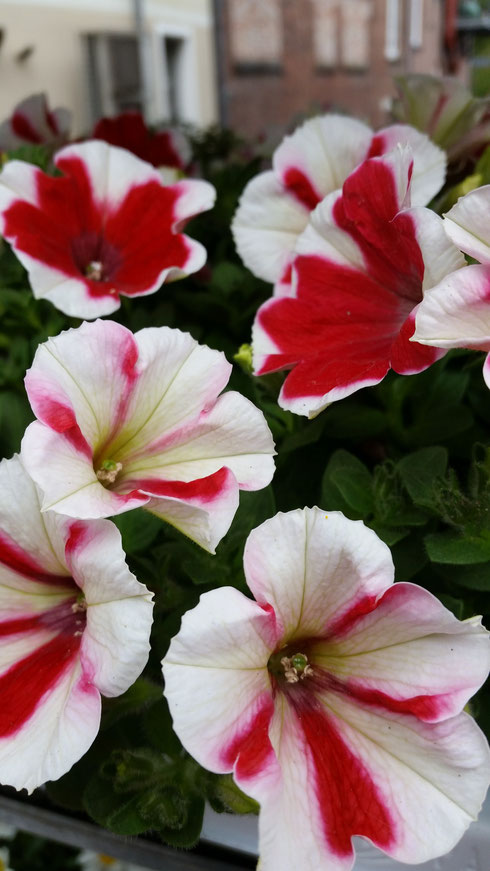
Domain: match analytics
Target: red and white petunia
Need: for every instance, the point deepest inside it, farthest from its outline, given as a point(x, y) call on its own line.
point(74, 624)
point(456, 312)
point(275, 206)
point(33, 123)
point(162, 148)
point(136, 420)
point(361, 268)
point(108, 226)
point(335, 698)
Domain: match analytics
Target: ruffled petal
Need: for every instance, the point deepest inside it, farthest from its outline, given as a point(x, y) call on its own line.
point(456, 313)
point(429, 161)
point(408, 654)
point(311, 566)
point(467, 224)
point(116, 639)
point(266, 226)
point(217, 684)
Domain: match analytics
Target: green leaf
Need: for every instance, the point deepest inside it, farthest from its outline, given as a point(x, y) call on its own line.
point(389, 534)
point(189, 834)
point(138, 529)
point(112, 810)
point(409, 557)
point(139, 696)
point(450, 547)
point(420, 470)
point(475, 577)
point(226, 796)
point(452, 604)
point(349, 477)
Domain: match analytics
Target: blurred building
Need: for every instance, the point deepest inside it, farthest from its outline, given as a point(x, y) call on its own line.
point(281, 58)
point(98, 57)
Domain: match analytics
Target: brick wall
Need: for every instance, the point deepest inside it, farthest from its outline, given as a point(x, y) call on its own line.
point(334, 60)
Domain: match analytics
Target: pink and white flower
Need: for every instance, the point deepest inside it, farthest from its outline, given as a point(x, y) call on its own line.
point(335, 698)
point(315, 161)
point(108, 227)
point(361, 268)
point(456, 312)
point(135, 420)
point(74, 624)
point(33, 123)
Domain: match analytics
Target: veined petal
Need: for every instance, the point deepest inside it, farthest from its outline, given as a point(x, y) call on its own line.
point(456, 313)
point(67, 477)
point(217, 684)
point(429, 161)
point(431, 777)
point(59, 732)
point(175, 378)
point(310, 565)
point(201, 509)
point(409, 655)
point(468, 221)
point(23, 530)
point(216, 438)
point(266, 226)
point(83, 377)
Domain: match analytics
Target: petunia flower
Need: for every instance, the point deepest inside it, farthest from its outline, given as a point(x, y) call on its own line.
point(445, 109)
point(74, 624)
point(107, 227)
point(456, 312)
point(314, 161)
point(33, 123)
point(127, 421)
point(162, 148)
point(360, 270)
point(335, 698)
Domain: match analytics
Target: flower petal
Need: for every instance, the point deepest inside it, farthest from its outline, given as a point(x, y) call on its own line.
point(468, 221)
point(266, 226)
point(409, 655)
point(429, 161)
point(456, 313)
point(310, 565)
point(201, 509)
point(216, 680)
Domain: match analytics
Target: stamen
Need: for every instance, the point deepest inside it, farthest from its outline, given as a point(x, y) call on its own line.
point(108, 471)
point(94, 269)
point(296, 667)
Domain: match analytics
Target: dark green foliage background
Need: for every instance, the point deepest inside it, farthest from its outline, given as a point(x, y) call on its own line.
point(411, 457)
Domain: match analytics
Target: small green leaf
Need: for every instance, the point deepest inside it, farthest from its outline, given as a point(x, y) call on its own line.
point(138, 529)
point(449, 547)
point(116, 812)
point(420, 470)
point(139, 696)
point(350, 477)
point(226, 796)
point(475, 577)
point(409, 557)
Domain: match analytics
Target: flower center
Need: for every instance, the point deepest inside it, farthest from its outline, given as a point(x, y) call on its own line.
point(95, 257)
point(291, 668)
point(108, 472)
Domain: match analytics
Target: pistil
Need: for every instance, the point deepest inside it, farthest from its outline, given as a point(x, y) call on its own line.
point(108, 472)
point(94, 270)
point(292, 668)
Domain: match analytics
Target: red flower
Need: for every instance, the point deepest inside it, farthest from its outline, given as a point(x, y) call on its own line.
point(128, 130)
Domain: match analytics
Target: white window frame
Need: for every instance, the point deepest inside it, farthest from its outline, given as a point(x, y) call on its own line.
point(416, 28)
point(392, 30)
point(188, 86)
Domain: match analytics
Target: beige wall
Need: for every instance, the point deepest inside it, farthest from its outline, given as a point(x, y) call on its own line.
point(58, 64)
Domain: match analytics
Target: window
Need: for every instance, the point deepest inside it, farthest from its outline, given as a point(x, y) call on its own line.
point(392, 30)
point(173, 47)
point(355, 33)
point(325, 32)
point(114, 73)
point(255, 33)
